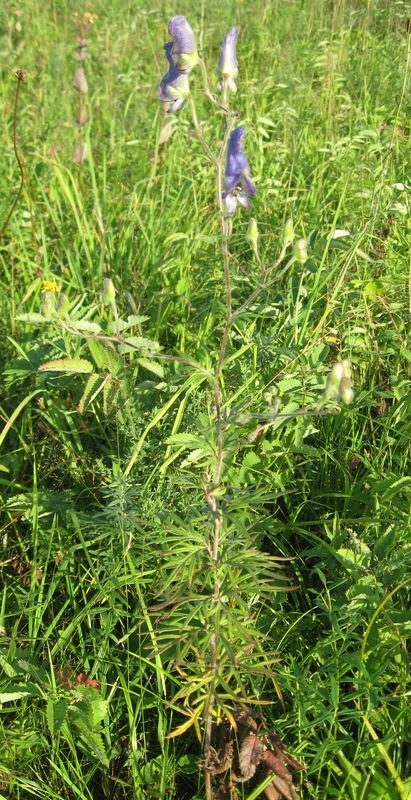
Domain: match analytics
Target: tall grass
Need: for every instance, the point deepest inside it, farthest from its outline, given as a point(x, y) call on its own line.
point(93, 503)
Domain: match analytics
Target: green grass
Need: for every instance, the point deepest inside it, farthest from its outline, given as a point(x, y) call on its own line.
point(99, 508)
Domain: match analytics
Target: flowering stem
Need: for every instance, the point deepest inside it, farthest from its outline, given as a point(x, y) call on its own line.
point(225, 228)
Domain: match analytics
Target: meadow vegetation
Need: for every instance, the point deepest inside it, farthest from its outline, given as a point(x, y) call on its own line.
point(204, 553)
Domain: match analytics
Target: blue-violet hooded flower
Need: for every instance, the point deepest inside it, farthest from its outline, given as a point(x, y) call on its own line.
point(184, 47)
point(238, 186)
point(227, 67)
point(174, 87)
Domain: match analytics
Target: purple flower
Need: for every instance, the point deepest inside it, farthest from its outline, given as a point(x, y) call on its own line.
point(227, 67)
point(184, 48)
point(237, 184)
point(174, 87)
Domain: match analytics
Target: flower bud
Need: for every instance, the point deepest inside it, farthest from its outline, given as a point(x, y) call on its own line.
point(47, 305)
point(252, 233)
point(108, 294)
point(62, 306)
point(82, 117)
point(300, 251)
point(338, 383)
point(227, 68)
point(346, 390)
point(79, 81)
point(332, 386)
point(288, 233)
point(80, 152)
point(184, 48)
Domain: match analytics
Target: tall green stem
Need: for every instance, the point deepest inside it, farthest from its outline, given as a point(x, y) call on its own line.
point(225, 229)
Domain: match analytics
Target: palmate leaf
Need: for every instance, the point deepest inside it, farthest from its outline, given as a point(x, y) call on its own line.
point(78, 365)
point(193, 718)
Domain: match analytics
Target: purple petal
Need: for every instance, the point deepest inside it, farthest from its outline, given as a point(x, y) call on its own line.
point(248, 186)
point(183, 34)
point(231, 181)
point(183, 49)
point(227, 62)
point(230, 204)
point(243, 199)
point(174, 86)
point(236, 140)
point(177, 105)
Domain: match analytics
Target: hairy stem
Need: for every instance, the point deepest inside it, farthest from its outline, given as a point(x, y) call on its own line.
point(20, 75)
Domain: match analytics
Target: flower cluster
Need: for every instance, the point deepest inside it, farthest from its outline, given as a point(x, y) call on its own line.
point(182, 56)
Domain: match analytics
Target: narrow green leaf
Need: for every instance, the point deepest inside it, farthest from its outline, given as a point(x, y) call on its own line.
point(8, 697)
point(90, 392)
point(94, 742)
point(67, 365)
point(35, 319)
point(110, 392)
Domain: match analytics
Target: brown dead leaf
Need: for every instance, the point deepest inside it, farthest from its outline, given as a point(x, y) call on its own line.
point(281, 750)
point(277, 766)
point(84, 680)
point(250, 755)
point(271, 792)
point(219, 761)
point(63, 677)
point(286, 791)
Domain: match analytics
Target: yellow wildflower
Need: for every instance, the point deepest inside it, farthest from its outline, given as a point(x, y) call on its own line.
point(50, 286)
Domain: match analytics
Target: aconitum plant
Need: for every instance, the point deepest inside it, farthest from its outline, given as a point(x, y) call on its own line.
point(214, 584)
point(220, 649)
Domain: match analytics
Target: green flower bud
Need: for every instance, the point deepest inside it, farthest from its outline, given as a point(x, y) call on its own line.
point(346, 368)
point(109, 293)
point(47, 305)
point(62, 306)
point(346, 390)
point(252, 233)
point(338, 383)
point(300, 251)
point(288, 233)
point(332, 386)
